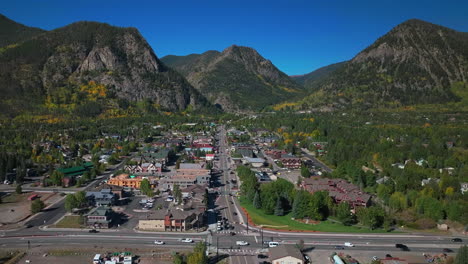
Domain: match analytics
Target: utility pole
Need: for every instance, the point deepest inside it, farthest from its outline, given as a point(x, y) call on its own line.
point(261, 233)
point(217, 247)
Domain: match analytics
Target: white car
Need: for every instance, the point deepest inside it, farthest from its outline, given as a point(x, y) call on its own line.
point(273, 244)
point(242, 243)
point(348, 244)
point(186, 240)
point(159, 242)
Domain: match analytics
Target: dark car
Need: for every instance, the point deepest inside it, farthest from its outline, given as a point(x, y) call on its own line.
point(339, 247)
point(261, 256)
point(388, 256)
point(402, 247)
point(234, 213)
point(457, 240)
point(93, 231)
point(447, 250)
point(233, 233)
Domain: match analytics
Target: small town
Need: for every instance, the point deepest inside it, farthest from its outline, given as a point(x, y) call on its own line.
point(215, 132)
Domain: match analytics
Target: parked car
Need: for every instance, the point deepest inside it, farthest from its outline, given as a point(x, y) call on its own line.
point(388, 256)
point(457, 239)
point(447, 250)
point(375, 258)
point(186, 240)
point(339, 247)
point(159, 242)
point(232, 233)
point(242, 243)
point(93, 231)
point(234, 213)
point(348, 244)
point(261, 256)
point(307, 259)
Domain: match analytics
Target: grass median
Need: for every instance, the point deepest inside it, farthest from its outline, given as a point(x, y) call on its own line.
point(285, 223)
point(71, 221)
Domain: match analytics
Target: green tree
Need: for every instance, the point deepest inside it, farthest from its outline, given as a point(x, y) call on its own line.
point(177, 193)
point(80, 199)
point(57, 178)
point(145, 188)
point(343, 213)
point(300, 204)
point(37, 205)
point(19, 189)
point(279, 210)
point(70, 202)
point(305, 172)
point(198, 256)
point(373, 217)
point(177, 259)
point(462, 255)
point(256, 201)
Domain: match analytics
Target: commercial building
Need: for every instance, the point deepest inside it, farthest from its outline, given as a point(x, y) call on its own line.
point(286, 254)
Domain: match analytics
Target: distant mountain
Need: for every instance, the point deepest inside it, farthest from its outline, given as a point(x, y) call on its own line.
point(63, 65)
point(13, 33)
point(416, 62)
point(309, 79)
point(236, 79)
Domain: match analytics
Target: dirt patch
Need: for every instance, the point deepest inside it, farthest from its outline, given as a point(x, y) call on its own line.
point(16, 207)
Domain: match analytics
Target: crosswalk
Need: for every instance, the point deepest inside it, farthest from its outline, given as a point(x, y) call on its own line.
point(229, 232)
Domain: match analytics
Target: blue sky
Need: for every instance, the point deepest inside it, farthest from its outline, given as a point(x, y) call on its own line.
point(297, 36)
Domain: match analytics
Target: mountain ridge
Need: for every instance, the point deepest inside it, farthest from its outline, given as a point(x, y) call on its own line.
point(62, 60)
point(415, 62)
point(231, 78)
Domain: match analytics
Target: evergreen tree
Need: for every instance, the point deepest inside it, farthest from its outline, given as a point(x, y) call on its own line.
point(256, 201)
point(305, 172)
point(177, 193)
point(279, 211)
point(19, 189)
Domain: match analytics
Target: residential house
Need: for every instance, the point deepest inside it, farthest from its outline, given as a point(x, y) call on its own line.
point(464, 187)
point(100, 217)
point(117, 190)
point(144, 168)
point(286, 254)
point(104, 197)
point(429, 180)
point(290, 161)
point(275, 153)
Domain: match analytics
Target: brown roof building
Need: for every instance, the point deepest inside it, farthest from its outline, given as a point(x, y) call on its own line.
point(339, 189)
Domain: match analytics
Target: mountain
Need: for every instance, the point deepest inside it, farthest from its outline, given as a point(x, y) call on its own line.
point(416, 62)
point(236, 79)
point(309, 79)
point(12, 32)
point(70, 64)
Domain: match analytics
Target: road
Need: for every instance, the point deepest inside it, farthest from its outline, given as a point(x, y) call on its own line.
point(317, 162)
point(57, 210)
